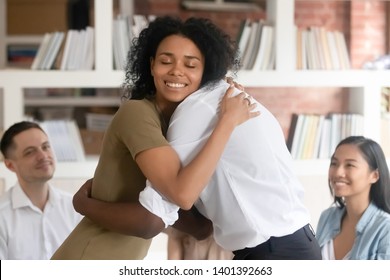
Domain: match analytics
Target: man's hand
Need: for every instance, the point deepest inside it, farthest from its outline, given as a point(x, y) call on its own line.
point(81, 197)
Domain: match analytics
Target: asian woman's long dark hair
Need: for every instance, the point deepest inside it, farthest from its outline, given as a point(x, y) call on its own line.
point(374, 156)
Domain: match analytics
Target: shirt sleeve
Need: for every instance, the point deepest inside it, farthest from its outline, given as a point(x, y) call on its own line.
point(138, 126)
point(186, 142)
point(158, 205)
point(384, 244)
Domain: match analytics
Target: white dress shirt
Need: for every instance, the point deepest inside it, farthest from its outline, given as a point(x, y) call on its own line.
point(253, 193)
point(27, 233)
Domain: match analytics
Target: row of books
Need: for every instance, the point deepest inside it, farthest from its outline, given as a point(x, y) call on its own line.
point(73, 50)
point(256, 45)
point(65, 139)
point(313, 136)
point(21, 56)
point(318, 48)
point(125, 28)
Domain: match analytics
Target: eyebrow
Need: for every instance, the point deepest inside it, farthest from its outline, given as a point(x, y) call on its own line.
point(349, 160)
point(34, 147)
point(28, 149)
point(186, 56)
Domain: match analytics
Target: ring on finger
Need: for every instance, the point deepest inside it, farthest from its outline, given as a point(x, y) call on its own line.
point(248, 99)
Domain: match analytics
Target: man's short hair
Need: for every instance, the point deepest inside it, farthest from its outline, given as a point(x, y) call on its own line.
point(8, 136)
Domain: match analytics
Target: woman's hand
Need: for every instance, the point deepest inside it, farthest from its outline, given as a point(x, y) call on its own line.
point(194, 223)
point(81, 197)
point(230, 80)
point(237, 109)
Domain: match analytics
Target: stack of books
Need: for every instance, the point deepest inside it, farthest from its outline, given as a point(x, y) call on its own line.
point(318, 48)
point(314, 136)
point(65, 139)
point(256, 45)
point(125, 28)
point(73, 51)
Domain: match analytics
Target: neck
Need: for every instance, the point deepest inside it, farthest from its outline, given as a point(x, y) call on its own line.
point(38, 193)
point(355, 208)
point(166, 109)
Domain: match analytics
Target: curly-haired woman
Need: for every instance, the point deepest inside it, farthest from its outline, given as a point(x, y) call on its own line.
point(170, 60)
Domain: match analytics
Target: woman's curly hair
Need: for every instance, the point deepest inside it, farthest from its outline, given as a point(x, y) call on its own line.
point(219, 51)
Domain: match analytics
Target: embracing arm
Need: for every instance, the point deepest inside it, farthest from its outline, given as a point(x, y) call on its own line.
point(193, 223)
point(129, 218)
point(183, 185)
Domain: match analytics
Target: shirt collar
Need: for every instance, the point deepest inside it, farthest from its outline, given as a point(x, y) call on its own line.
point(20, 199)
point(336, 226)
point(366, 217)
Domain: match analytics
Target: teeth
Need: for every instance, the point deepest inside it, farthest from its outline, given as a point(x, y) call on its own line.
point(338, 183)
point(175, 85)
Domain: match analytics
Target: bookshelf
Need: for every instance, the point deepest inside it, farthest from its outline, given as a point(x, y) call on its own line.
point(364, 86)
point(13, 82)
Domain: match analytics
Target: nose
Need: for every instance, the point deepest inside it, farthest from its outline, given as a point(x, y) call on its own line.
point(41, 154)
point(176, 70)
point(339, 171)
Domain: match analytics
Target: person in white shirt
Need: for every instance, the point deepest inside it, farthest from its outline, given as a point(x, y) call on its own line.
point(35, 218)
point(254, 199)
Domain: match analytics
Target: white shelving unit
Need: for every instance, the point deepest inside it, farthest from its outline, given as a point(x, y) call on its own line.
point(364, 86)
point(13, 82)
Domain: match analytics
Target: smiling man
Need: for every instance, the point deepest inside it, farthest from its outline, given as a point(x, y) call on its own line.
point(35, 218)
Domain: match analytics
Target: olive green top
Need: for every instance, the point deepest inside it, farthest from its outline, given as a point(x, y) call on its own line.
point(135, 127)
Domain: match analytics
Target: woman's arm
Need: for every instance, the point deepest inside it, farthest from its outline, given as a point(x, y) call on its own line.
point(183, 185)
point(129, 218)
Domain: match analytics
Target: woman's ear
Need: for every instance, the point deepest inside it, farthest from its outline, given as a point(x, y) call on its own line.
point(151, 66)
point(374, 176)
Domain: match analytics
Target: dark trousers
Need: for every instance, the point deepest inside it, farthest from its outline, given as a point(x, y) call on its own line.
point(300, 245)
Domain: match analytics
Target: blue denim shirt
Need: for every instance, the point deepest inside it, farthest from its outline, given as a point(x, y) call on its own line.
point(372, 240)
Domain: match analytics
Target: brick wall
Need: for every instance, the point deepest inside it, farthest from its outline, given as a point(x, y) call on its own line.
point(368, 31)
point(362, 22)
point(228, 21)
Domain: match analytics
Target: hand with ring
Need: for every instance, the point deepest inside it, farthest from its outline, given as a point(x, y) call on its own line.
point(248, 100)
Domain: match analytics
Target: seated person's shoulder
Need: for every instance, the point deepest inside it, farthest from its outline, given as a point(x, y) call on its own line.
point(64, 202)
point(5, 199)
point(384, 219)
point(331, 211)
point(61, 194)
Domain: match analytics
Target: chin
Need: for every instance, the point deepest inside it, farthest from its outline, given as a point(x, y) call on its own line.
point(48, 174)
point(340, 194)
